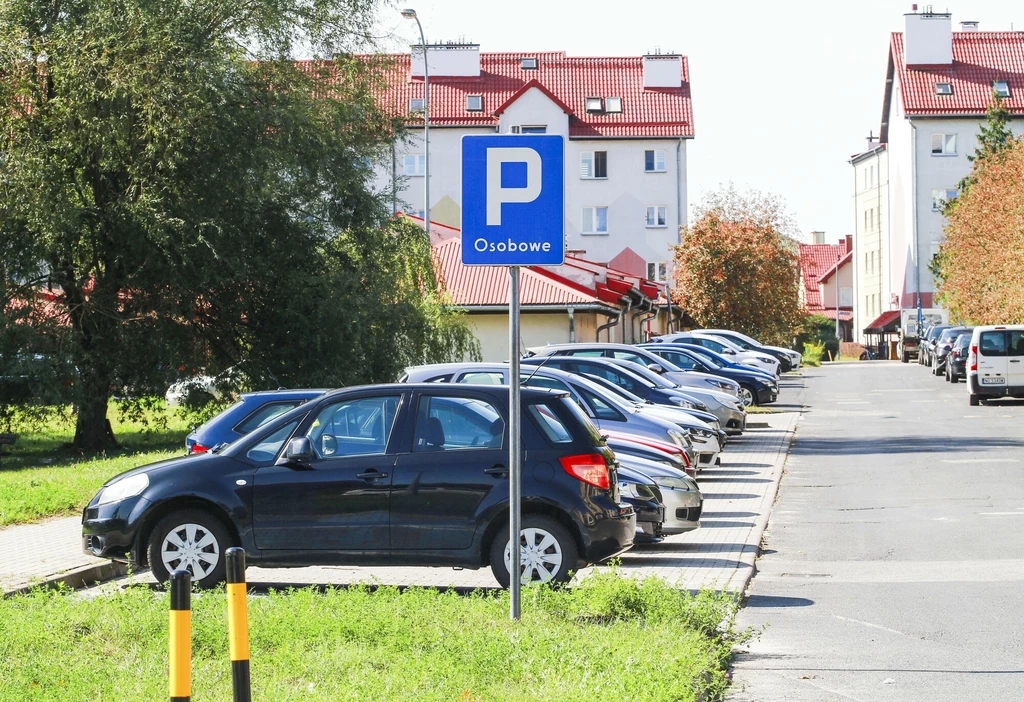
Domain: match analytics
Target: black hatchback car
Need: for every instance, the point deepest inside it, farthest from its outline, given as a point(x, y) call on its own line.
point(377, 475)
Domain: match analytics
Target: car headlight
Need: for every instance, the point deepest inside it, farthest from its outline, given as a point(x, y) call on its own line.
point(628, 489)
point(678, 438)
point(765, 359)
point(123, 489)
point(680, 402)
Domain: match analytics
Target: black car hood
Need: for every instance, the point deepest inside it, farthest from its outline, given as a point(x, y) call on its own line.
point(167, 464)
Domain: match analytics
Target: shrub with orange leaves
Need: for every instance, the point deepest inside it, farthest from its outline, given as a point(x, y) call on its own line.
point(981, 260)
point(736, 267)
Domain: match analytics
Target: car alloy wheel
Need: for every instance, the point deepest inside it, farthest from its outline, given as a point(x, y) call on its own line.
point(191, 540)
point(190, 547)
point(747, 396)
point(547, 552)
point(540, 556)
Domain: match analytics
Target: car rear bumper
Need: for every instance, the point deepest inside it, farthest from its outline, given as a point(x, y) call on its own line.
point(977, 388)
point(608, 533)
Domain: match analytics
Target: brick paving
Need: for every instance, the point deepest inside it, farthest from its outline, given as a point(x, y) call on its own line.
point(737, 500)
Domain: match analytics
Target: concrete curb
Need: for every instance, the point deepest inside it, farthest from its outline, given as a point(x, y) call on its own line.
point(749, 558)
point(75, 578)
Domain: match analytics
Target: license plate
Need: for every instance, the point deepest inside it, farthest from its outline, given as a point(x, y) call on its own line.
point(993, 381)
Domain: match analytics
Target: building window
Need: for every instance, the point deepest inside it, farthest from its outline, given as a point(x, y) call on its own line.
point(943, 88)
point(613, 104)
point(415, 164)
point(657, 216)
point(654, 161)
point(535, 129)
point(474, 103)
point(416, 105)
point(595, 104)
point(865, 220)
point(595, 220)
point(1001, 88)
point(941, 196)
point(943, 144)
point(658, 272)
point(528, 63)
point(594, 164)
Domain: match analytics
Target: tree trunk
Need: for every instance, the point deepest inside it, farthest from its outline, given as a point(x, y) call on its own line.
point(92, 428)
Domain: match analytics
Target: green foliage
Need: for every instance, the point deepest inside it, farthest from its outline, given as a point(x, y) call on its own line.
point(383, 644)
point(736, 267)
point(813, 353)
point(45, 478)
point(197, 200)
point(821, 330)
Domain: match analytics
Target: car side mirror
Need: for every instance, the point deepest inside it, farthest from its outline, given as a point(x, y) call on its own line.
point(655, 368)
point(298, 451)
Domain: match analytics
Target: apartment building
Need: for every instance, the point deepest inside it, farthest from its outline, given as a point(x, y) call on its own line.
point(625, 120)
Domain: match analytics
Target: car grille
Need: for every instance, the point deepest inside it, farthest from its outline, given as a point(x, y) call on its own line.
point(689, 514)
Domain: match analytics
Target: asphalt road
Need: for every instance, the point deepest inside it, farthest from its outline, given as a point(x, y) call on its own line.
point(894, 559)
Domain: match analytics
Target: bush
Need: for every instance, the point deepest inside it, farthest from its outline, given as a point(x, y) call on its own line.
point(812, 354)
point(818, 329)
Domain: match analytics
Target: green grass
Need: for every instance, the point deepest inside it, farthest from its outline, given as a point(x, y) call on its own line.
point(761, 409)
point(43, 478)
point(611, 638)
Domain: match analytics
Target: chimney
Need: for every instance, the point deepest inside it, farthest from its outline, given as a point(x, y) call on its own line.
point(818, 237)
point(847, 244)
point(969, 26)
point(928, 38)
point(452, 60)
point(663, 71)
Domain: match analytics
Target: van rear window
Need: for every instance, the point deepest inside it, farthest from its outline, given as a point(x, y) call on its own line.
point(992, 343)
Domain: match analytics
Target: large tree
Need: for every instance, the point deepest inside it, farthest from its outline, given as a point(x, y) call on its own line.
point(736, 266)
point(982, 256)
point(199, 200)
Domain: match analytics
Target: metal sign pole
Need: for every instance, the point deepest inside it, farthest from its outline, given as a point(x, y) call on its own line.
point(514, 452)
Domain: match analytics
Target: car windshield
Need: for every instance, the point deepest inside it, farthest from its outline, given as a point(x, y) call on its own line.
point(612, 387)
point(710, 358)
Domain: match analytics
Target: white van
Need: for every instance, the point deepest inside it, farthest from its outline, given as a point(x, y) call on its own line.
point(995, 364)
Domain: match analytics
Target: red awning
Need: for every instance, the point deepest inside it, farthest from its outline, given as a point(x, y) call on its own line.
point(886, 322)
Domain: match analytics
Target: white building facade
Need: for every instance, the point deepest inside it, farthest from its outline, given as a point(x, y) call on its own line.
point(625, 121)
point(938, 88)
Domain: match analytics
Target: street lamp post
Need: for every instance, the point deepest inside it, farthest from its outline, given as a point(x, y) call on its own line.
point(837, 294)
point(411, 14)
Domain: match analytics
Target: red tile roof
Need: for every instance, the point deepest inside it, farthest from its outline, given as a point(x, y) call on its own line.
point(815, 260)
point(836, 265)
point(646, 112)
point(488, 285)
point(978, 59)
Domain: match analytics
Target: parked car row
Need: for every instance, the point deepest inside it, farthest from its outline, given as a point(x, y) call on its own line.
point(989, 358)
point(416, 472)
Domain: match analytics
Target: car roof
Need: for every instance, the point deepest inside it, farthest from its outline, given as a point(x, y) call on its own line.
point(286, 393)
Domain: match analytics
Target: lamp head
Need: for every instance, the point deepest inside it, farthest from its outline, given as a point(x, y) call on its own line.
point(409, 13)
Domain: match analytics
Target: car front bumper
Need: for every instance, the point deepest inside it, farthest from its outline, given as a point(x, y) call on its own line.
point(735, 422)
point(682, 510)
point(109, 531)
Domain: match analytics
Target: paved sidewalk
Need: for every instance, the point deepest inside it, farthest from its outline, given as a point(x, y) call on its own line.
point(738, 499)
point(37, 552)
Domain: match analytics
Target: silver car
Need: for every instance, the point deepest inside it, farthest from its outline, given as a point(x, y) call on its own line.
point(679, 492)
point(721, 395)
point(602, 407)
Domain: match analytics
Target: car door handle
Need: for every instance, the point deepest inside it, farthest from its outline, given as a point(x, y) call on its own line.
point(1016, 360)
point(372, 475)
point(496, 469)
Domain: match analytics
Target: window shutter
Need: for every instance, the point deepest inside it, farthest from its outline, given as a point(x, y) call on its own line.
point(937, 143)
point(586, 164)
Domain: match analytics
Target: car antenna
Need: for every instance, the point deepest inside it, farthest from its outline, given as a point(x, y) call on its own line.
point(539, 366)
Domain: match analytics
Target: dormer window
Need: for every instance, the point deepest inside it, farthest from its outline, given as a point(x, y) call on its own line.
point(416, 105)
point(474, 103)
point(528, 63)
point(1001, 88)
point(943, 88)
point(613, 105)
point(595, 104)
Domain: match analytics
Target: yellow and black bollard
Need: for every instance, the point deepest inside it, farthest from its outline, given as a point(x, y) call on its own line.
point(180, 637)
point(238, 626)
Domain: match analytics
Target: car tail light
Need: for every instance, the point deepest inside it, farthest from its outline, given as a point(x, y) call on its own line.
point(591, 468)
point(973, 360)
point(199, 448)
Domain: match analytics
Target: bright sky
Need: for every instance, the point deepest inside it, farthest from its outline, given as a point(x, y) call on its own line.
point(784, 92)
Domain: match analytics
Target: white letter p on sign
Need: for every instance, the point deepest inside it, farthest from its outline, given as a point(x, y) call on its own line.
point(496, 194)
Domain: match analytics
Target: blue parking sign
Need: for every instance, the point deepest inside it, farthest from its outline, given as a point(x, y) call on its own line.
point(513, 200)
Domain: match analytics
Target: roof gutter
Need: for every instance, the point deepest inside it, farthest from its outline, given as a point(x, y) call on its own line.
point(587, 307)
point(615, 319)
